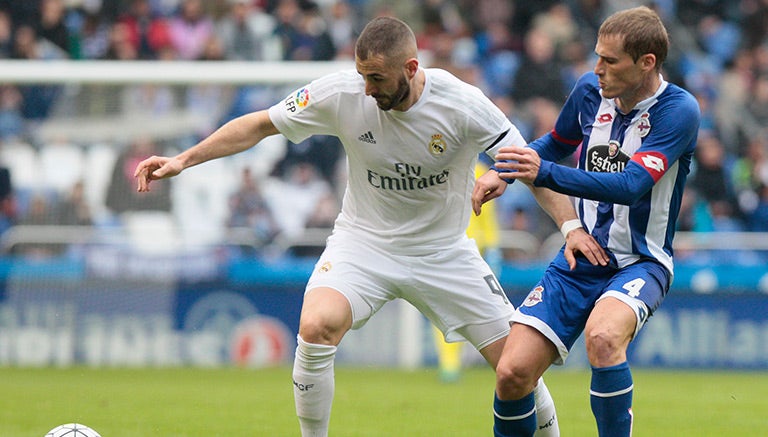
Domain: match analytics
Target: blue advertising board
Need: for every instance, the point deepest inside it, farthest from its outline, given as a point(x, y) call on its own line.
point(110, 312)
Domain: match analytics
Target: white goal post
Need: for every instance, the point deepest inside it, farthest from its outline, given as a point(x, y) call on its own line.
point(165, 72)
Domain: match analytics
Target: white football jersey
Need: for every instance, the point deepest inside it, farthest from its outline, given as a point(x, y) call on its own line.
point(411, 173)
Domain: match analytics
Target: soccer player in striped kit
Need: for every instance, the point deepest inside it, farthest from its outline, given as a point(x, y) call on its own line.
point(637, 135)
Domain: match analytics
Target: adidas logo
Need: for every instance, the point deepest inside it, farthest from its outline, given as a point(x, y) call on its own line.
point(367, 138)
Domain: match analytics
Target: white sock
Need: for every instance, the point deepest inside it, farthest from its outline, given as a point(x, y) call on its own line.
point(546, 416)
point(313, 387)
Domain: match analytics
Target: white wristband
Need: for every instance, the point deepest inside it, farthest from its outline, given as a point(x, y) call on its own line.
point(569, 225)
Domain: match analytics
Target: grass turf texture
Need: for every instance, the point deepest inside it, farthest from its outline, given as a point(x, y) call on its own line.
point(235, 402)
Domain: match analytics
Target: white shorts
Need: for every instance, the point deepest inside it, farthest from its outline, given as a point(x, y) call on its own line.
point(455, 288)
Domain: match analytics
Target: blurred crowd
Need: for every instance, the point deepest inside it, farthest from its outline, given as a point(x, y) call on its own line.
point(525, 55)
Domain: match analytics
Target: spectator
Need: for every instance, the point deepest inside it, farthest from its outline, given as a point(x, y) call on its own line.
point(342, 28)
point(11, 120)
point(51, 26)
point(732, 93)
point(557, 22)
point(119, 46)
point(758, 218)
point(40, 212)
point(190, 30)
point(73, 209)
point(146, 33)
point(249, 209)
point(754, 22)
point(301, 191)
point(6, 35)
point(8, 212)
point(711, 177)
point(247, 33)
point(94, 36)
point(323, 152)
point(498, 55)
point(757, 104)
point(539, 73)
point(750, 175)
point(37, 100)
point(303, 32)
point(121, 193)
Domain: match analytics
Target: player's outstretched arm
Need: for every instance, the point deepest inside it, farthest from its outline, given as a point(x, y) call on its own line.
point(233, 137)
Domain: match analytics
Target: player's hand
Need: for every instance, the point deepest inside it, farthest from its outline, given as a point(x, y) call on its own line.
point(520, 163)
point(153, 168)
point(487, 187)
point(579, 241)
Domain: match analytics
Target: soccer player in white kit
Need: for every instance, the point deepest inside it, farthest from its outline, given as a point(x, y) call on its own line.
point(411, 149)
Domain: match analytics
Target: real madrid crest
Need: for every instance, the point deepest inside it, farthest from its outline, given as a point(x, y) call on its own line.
point(437, 145)
point(644, 125)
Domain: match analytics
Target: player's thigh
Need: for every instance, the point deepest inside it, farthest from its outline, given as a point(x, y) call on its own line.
point(363, 274)
point(560, 303)
point(526, 348)
point(457, 291)
point(641, 287)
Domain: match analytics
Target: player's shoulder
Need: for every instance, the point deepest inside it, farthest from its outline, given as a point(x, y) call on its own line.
point(444, 84)
point(680, 98)
point(345, 82)
point(456, 95)
point(586, 84)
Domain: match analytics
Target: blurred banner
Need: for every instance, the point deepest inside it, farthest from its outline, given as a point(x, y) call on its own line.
point(114, 309)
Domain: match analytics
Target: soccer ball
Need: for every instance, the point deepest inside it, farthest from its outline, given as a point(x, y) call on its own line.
point(72, 430)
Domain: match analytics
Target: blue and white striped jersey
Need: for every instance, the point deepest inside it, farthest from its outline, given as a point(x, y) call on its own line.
point(631, 168)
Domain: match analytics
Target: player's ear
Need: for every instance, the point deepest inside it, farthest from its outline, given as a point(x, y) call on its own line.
point(647, 61)
point(411, 67)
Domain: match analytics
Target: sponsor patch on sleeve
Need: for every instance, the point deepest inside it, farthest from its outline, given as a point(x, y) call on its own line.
point(297, 101)
point(654, 163)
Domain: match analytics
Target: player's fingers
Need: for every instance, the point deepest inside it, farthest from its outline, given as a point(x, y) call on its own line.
point(590, 256)
point(142, 181)
point(478, 193)
point(570, 258)
point(509, 159)
point(159, 173)
point(596, 255)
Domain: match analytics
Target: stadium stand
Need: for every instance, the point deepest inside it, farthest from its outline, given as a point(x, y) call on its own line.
point(54, 135)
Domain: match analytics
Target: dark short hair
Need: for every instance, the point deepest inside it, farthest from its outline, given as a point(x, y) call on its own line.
point(388, 37)
point(642, 30)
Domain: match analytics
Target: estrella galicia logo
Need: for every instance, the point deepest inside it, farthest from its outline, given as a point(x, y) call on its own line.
point(607, 158)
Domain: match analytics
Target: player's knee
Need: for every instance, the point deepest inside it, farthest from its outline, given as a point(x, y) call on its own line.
point(514, 382)
point(316, 329)
point(605, 347)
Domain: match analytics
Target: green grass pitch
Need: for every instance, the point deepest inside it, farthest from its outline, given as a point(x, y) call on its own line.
point(232, 402)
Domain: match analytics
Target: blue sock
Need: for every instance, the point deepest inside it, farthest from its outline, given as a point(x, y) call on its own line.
point(611, 400)
point(514, 418)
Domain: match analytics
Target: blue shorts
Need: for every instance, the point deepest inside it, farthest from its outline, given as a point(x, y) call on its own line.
point(559, 305)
